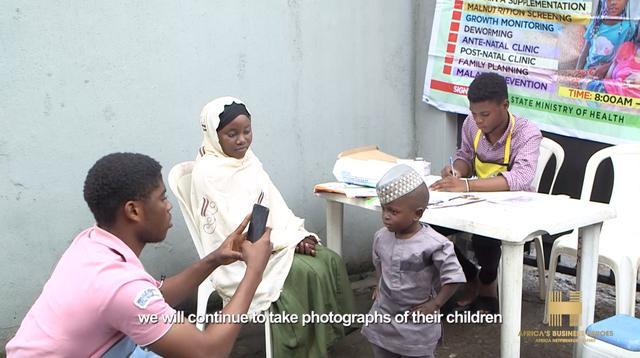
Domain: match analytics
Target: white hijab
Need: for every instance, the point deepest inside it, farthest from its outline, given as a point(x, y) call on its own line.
point(223, 192)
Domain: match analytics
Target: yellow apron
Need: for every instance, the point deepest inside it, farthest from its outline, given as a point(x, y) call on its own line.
point(490, 169)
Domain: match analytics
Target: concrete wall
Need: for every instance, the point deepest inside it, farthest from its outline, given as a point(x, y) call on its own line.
point(82, 79)
point(435, 130)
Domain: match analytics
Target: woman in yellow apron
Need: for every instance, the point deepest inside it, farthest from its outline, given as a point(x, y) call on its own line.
point(487, 250)
point(485, 170)
point(500, 152)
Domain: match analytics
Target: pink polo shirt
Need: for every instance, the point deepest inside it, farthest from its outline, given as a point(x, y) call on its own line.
point(96, 295)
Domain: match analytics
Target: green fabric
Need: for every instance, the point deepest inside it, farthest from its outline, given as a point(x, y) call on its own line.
point(319, 284)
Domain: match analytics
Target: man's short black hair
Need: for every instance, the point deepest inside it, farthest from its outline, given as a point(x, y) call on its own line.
point(488, 86)
point(117, 178)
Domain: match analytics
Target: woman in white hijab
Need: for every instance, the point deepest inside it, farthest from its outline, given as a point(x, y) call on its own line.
point(301, 275)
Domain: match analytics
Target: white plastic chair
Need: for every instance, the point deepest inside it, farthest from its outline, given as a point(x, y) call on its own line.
point(180, 184)
point(619, 237)
point(547, 148)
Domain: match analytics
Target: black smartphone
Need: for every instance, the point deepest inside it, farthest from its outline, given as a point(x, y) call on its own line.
point(258, 223)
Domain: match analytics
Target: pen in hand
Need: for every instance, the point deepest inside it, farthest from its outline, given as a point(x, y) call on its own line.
point(453, 171)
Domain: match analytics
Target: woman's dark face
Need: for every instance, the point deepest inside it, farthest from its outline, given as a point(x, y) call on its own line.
point(235, 138)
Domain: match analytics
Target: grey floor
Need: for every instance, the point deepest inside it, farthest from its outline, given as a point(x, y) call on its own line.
point(460, 340)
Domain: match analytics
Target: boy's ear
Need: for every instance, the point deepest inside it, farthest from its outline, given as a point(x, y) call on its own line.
point(133, 211)
point(419, 212)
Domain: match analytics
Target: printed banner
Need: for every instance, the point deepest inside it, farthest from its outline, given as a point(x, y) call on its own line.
point(572, 66)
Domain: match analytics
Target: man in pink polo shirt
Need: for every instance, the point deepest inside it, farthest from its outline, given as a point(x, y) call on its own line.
point(100, 302)
point(499, 152)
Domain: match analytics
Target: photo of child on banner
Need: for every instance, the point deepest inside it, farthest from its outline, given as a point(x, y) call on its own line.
point(579, 75)
point(607, 62)
point(606, 32)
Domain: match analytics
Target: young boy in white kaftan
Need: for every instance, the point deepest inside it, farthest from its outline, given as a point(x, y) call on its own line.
point(416, 267)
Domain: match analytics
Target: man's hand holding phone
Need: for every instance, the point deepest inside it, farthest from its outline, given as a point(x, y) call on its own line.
point(230, 250)
point(237, 247)
point(258, 241)
point(256, 254)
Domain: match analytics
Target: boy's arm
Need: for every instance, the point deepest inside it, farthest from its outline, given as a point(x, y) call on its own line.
point(434, 304)
point(497, 183)
point(376, 265)
point(177, 288)
point(217, 340)
point(451, 276)
point(455, 184)
point(446, 291)
point(462, 168)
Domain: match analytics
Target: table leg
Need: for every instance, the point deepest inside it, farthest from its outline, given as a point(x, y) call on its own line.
point(334, 226)
point(588, 247)
point(511, 292)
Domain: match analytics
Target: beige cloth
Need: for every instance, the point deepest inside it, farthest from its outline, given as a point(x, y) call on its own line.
point(223, 192)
